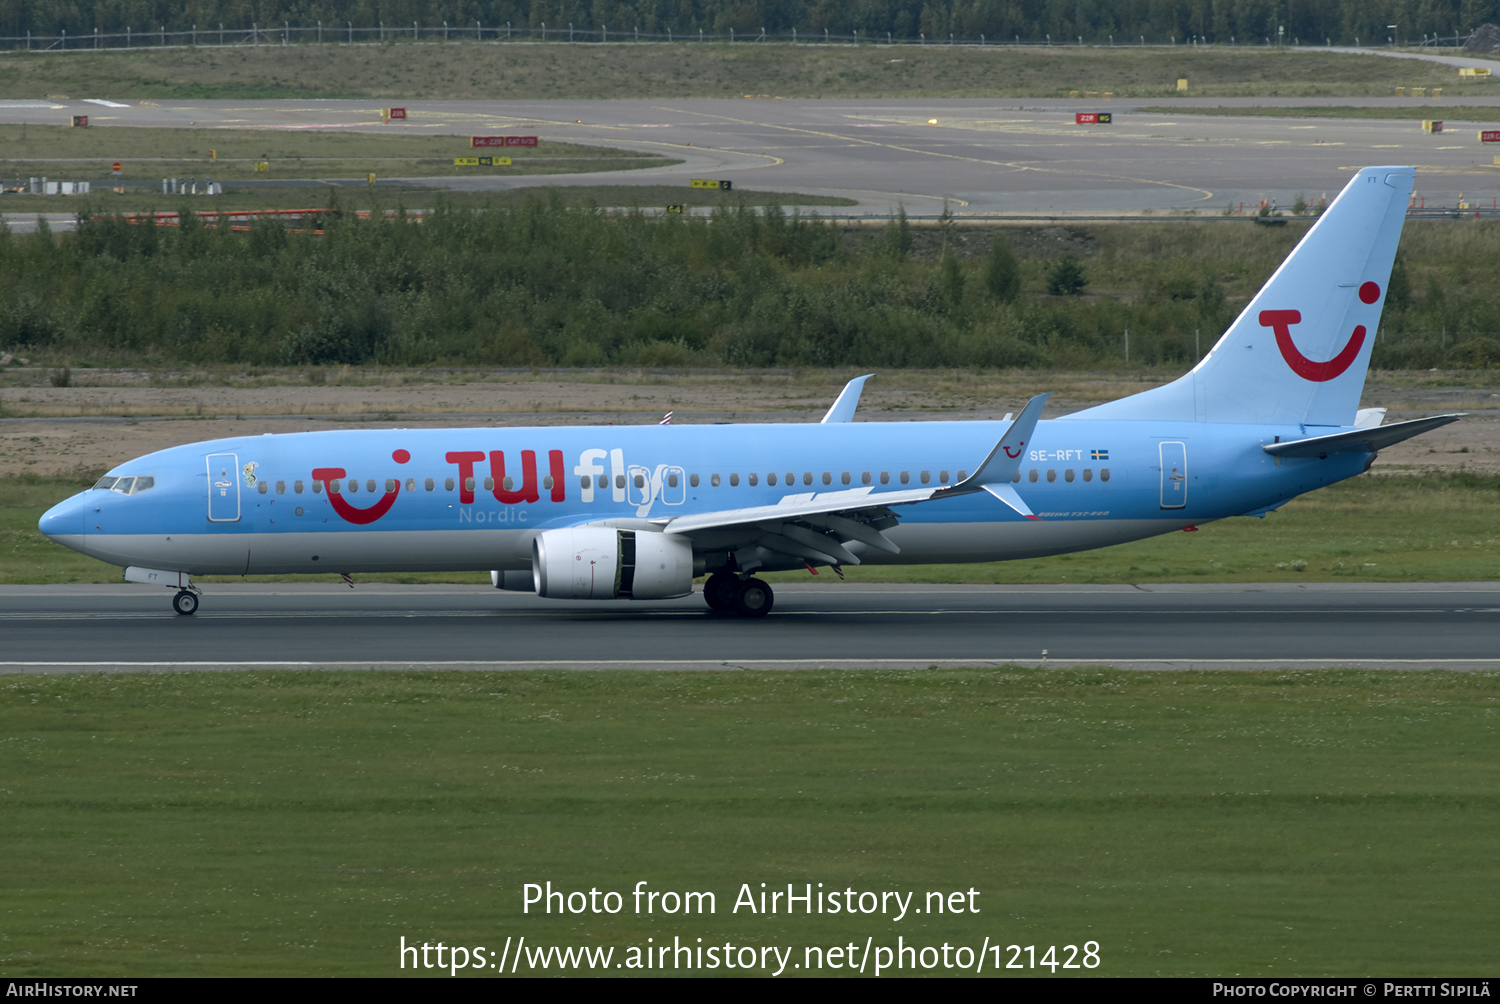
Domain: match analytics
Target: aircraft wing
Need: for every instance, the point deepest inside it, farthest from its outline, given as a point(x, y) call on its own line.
point(817, 525)
point(1369, 440)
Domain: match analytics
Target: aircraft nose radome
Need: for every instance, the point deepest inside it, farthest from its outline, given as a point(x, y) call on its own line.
point(66, 519)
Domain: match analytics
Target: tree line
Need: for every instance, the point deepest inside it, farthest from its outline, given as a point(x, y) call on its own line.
point(1311, 22)
point(566, 285)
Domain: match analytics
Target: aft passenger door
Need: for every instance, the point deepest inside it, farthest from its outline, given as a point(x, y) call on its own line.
point(223, 488)
point(1173, 475)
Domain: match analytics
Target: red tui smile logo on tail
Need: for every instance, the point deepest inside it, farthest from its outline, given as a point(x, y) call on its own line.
point(1281, 322)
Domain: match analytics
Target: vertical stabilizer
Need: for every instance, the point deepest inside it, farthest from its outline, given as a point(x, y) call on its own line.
point(1298, 353)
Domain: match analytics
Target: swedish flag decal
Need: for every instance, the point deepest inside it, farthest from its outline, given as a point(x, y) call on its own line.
point(1100, 454)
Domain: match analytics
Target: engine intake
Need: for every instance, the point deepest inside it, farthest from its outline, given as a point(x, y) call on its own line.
point(603, 563)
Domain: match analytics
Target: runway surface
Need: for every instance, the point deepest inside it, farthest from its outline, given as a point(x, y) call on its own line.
point(303, 625)
point(985, 157)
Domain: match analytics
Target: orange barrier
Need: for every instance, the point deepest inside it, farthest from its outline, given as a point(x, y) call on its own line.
point(241, 219)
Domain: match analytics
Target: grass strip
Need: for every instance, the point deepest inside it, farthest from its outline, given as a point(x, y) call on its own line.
point(1193, 824)
point(395, 73)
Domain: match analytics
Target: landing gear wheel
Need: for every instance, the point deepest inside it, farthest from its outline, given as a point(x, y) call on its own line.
point(185, 603)
point(753, 598)
point(718, 591)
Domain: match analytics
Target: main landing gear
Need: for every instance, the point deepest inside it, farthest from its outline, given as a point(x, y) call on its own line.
point(185, 602)
point(728, 593)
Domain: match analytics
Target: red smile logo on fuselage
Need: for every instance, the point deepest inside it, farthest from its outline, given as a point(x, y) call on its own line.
point(330, 476)
point(1281, 322)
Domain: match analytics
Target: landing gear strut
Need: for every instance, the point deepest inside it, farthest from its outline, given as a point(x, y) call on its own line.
point(185, 602)
point(727, 593)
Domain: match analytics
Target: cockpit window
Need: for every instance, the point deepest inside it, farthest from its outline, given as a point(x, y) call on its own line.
point(126, 486)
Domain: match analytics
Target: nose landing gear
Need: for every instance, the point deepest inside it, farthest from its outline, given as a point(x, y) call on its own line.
point(727, 593)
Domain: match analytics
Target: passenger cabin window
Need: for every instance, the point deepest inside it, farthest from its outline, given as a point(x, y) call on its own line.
point(885, 477)
point(1104, 474)
point(671, 480)
point(1068, 475)
point(1016, 477)
point(962, 475)
point(428, 485)
point(447, 484)
point(771, 479)
point(619, 481)
point(791, 479)
point(827, 478)
point(489, 484)
point(469, 484)
point(262, 486)
point(297, 486)
point(1088, 474)
point(547, 482)
point(318, 487)
point(693, 480)
point(411, 484)
point(754, 480)
point(734, 480)
point(640, 480)
point(713, 479)
point(333, 487)
point(354, 485)
point(844, 478)
point(926, 477)
point(509, 484)
point(281, 488)
point(942, 477)
point(603, 481)
point(864, 477)
point(391, 484)
point(906, 477)
point(807, 477)
point(1051, 475)
point(1031, 475)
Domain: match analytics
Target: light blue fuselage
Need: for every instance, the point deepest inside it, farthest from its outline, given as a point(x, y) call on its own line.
point(262, 524)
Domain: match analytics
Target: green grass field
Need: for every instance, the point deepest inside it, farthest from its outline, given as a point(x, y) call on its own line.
point(1327, 823)
point(685, 70)
point(1389, 529)
point(231, 155)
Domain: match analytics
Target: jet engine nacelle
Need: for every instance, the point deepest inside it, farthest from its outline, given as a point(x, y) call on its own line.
point(602, 563)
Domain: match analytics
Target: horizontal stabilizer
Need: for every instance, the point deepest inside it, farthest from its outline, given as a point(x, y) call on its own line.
point(1359, 440)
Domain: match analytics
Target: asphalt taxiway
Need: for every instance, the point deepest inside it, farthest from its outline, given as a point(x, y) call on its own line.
point(983, 157)
point(313, 625)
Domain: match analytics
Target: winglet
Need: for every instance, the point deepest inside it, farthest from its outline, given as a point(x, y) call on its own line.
point(1005, 459)
point(1012, 498)
point(848, 400)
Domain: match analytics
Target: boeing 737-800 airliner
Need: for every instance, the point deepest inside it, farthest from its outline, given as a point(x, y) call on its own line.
point(637, 512)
